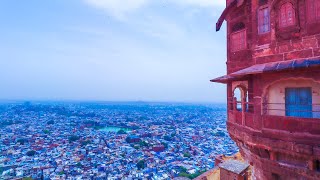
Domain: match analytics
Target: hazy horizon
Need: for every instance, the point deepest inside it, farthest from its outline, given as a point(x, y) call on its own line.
point(20, 101)
point(107, 50)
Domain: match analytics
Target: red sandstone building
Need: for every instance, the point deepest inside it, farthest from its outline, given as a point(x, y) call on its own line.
point(273, 62)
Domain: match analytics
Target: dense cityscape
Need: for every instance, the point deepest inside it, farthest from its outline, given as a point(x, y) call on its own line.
point(110, 140)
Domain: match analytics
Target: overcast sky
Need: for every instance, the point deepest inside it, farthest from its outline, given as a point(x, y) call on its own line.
point(111, 50)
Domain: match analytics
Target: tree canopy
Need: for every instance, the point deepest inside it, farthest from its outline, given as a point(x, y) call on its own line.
point(141, 165)
point(31, 153)
point(121, 131)
point(73, 138)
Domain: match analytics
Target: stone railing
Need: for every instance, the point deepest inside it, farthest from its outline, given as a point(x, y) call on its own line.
point(292, 124)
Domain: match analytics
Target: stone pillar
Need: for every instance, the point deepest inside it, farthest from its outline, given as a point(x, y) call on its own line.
point(257, 120)
point(273, 156)
point(243, 105)
point(311, 165)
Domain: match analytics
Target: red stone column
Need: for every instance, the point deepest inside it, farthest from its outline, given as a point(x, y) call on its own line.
point(311, 165)
point(243, 105)
point(273, 156)
point(257, 120)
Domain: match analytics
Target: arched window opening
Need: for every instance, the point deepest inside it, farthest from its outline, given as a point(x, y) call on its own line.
point(313, 10)
point(240, 96)
point(287, 15)
point(237, 99)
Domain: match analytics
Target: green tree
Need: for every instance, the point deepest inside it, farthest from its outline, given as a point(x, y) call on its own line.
point(183, 169)
point(27, 178)
point(121, 131)
point(84, 143)
point(191, 176)
point(141, 165)
point(73, 138)
point(98, 127)
point(22, 141)
point(143, 144)
point(31, 153)
point(165, 145)
point(128, 139)
point(1, 170)
point(187, 155)
point(79, 165)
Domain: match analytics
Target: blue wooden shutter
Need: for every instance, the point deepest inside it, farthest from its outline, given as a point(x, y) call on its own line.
point(299, 102)
point(290, 101)
point(305, 101)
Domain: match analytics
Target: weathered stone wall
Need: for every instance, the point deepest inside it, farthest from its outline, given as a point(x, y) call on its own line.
point(269, 154)
point(301, 41)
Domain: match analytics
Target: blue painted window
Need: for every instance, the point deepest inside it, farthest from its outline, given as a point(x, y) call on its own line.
point(299, 102)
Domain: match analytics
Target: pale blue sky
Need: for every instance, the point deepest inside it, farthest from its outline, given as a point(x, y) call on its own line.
point(111, 50)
